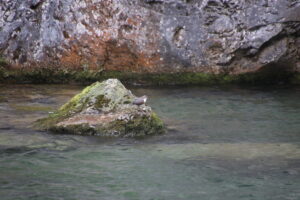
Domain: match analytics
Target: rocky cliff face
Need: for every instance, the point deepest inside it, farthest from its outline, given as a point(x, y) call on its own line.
point(230, 36)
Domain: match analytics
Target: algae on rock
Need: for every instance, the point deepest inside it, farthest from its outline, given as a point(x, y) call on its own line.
point(103, 109)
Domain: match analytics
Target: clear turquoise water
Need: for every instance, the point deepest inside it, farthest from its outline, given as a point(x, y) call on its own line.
point(226, 143)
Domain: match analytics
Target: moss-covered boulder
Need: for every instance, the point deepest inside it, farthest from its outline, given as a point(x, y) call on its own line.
point(103, 109)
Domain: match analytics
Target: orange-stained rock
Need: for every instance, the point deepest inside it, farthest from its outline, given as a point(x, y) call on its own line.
point(214, 36)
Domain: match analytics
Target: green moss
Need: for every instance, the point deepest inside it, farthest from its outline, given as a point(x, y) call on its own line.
point(136, 127)
point(139, 126)
point(156, 120)
point(3, 62)
point(57, 75)
point(53, 74)
point(2, 74)
point(101, 101)
point(50, 121)
point(82, 129)
point(76, 104)
point(3, 71)
point(145, 126)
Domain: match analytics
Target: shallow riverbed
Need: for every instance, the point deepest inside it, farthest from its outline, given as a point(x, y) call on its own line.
point(227, 143)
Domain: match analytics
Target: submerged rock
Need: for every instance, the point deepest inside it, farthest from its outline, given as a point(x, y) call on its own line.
point(104, 109)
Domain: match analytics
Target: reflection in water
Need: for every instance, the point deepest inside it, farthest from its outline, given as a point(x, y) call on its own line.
point(223, 143)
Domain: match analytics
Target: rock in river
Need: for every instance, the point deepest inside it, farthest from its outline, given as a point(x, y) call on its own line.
point(103, 109)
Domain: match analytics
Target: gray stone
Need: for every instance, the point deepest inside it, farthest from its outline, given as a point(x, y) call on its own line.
point(103, 109)
point(151, 35)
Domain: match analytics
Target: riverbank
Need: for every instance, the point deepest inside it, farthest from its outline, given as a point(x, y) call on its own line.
point(59, 75)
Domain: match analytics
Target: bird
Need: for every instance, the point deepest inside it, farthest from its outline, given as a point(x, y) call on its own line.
point(140, 100)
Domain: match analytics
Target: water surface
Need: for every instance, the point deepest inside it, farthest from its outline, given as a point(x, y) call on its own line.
point(226, 143)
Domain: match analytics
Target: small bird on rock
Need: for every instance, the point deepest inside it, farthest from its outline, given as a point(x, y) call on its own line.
point(140, 100)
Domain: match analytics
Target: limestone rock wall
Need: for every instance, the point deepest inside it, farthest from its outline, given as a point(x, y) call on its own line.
point(231, 36)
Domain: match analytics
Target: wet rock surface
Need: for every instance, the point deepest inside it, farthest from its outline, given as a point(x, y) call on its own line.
point(216, 36)
point(103, 109)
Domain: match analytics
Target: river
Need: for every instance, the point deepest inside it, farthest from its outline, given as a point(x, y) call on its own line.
point(223, 143)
